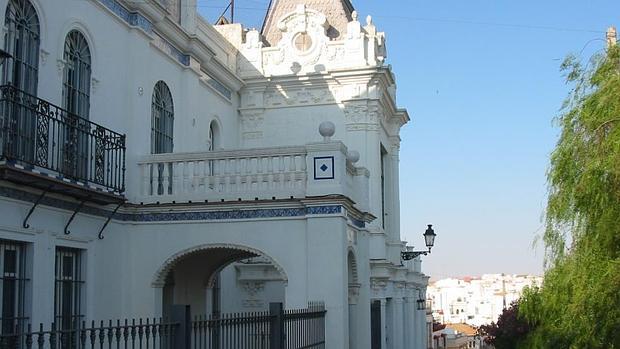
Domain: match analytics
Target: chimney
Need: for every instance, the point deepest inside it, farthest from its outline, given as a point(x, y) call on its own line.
point(612, 36)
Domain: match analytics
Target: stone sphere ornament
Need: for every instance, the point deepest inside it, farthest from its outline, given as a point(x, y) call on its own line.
point(353, 156)
point(327, 130)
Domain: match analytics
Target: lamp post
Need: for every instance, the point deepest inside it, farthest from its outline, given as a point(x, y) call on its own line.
point(429, 239)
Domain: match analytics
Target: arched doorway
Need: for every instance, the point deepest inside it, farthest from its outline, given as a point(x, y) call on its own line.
point(216, 279)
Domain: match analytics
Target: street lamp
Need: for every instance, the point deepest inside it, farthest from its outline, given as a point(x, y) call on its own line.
point(421, 304)
point(429, 239)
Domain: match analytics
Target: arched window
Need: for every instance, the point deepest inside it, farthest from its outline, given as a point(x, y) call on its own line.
point(76, 81)
point(22, 41)
point(213, 141)
point(162, 119)
point(76, 100)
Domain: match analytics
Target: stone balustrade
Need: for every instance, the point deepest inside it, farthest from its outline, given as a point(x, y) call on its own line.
point(251, 174)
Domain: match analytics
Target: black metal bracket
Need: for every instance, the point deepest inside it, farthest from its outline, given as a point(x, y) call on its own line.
point(409, 255)
point(77, 209)
point(108, 221)
point(36, 203)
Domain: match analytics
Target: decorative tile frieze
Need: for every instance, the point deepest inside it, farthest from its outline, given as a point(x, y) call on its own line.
point(176, 216)
point(356, 222)
point(170, 49)
point(218, 86)
point(132, 18)
point(327, 209)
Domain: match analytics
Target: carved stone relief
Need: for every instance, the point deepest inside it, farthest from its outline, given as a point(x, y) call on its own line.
point(252, 288)
point(252, 125)
point(378, 285)
point(298, 97)
point(354, 293)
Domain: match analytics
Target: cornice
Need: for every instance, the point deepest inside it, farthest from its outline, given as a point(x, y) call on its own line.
point(190, 44)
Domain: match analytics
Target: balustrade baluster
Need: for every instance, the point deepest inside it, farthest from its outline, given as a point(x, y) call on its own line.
point(259, 174)
point(145, 180)
point(195, 176)
point(202, 175)
point(270, 173)
point(226, 175)
point(156, 182)
point(185, 178)
point(171, 178)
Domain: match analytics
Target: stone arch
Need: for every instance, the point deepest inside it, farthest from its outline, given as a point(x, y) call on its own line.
point(77, 24)
point(159, 278)
point(214, 138)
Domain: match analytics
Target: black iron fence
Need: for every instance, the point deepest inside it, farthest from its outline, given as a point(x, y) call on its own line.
point(137, 334)
point(38, 133)
point(235, 330)
point(273, 329)
point(305, 328)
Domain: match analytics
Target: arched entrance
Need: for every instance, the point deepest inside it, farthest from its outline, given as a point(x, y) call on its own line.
point(220, 278)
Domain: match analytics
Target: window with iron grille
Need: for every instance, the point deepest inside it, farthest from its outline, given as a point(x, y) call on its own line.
point(162, 127)
point(162, 119)
point(76, 82)
point(21, 41)
point(13, 283)
point(68, 290)
point(76, 99)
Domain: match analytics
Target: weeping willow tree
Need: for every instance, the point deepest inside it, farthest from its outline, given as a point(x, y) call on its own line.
point(578, 305)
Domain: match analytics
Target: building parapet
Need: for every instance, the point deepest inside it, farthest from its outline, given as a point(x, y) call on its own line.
point(313, 170)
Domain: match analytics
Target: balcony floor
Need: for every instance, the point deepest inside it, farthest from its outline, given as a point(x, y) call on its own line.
point(29, 176)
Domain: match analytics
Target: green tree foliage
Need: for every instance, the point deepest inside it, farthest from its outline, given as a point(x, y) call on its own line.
point(578, 305)
point(509, 332)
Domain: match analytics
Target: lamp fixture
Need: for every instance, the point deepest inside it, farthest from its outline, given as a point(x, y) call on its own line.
point(429, 239)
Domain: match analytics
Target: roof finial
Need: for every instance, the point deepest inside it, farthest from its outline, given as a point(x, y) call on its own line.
point(354, 15)
point(612, 36)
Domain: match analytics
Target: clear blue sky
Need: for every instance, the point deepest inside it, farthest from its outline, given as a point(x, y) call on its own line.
point(481, 81)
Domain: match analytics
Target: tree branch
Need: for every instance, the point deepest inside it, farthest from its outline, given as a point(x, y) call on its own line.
point(606, 123)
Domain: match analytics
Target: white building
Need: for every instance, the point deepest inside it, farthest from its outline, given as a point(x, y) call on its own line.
point(201, 144)
point(477, 301)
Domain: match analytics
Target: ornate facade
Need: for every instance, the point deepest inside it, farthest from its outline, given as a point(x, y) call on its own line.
point(183, 164)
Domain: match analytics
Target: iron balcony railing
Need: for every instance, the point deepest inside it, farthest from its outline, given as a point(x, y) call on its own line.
point(42, 135)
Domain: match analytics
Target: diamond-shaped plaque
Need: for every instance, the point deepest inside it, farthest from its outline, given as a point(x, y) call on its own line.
point(324, 167)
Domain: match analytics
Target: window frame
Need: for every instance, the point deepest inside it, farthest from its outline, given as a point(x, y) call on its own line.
point(68, 279)
point(19, 276)
point(162, 119)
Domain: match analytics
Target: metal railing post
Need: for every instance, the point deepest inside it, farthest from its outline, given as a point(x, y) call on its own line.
point(180, 314)
point(276, 319)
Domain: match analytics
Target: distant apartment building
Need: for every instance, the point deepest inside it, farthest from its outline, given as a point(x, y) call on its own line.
point(476, 300)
